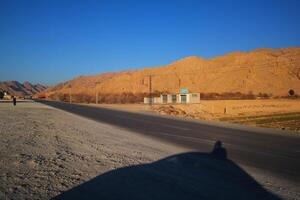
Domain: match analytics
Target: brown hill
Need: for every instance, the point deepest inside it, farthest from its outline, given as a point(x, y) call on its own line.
point(271, 71)
point(19, 89)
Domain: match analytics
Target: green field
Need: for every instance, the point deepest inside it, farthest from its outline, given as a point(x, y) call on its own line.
point(290, 121)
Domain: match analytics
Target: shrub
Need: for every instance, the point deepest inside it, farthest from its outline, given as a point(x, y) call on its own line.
point(263, 95)
point(227, 96)
point(1, 95)
point(291, 92)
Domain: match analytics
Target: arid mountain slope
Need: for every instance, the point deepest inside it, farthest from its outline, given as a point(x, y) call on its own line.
point(19, 89)
point(272, 71)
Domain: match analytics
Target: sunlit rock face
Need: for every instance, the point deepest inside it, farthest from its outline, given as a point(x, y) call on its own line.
point(270, 71)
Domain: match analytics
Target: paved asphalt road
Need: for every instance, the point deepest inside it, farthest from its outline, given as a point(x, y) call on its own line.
point(272, 153)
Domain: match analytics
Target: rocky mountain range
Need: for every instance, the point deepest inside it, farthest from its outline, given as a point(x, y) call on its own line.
point(21, 89)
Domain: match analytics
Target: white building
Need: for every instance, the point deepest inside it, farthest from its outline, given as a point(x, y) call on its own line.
point(182, 97)
point(7, 96)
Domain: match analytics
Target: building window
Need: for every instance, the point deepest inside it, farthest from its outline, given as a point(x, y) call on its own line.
point(183, 98)
point(174, 98)
point(165, 98)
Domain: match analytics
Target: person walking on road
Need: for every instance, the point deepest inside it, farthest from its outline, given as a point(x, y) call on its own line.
point(14, 101)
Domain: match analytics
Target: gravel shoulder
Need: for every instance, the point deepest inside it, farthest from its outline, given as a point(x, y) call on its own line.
point(45, 152)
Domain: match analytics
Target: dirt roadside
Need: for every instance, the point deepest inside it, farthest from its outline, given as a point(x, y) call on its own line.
point(45, 151)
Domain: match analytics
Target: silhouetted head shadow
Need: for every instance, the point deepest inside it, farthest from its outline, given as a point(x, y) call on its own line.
point(191, 175)
point(219, 151)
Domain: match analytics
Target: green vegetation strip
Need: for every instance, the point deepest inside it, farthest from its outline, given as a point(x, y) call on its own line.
point(289, 121)
point(277, 119)
point(293, 114)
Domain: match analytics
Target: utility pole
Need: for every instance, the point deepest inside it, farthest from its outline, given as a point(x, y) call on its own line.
point(70, 94)
point(150, 90)
point(97, 93)
point(97, 96)
point(149, 87)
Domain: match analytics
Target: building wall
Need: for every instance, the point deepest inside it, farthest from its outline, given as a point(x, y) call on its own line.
point(154, 100)
point(147, 100)
point(157, 100)
point(169, 98)
point(194, 98)
point(190, 98)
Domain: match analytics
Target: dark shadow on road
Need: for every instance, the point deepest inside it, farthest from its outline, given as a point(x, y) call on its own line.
point(190, 175)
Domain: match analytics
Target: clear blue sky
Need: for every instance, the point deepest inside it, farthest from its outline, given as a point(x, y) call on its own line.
point(56, 40)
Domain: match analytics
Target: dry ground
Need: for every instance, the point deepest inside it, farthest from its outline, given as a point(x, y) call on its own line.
point(45, 151)
point(275, 113)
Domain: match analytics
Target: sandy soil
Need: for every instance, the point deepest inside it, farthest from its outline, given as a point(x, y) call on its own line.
point(264, 113)
point(216, 108)
point(45, 151)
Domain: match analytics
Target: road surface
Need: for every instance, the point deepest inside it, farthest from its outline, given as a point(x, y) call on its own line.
point(272, 153)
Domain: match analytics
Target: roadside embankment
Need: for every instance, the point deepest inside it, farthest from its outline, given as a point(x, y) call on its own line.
point(45, 151)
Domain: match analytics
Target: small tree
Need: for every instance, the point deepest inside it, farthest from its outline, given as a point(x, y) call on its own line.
point(291, 92)
point(1, 94)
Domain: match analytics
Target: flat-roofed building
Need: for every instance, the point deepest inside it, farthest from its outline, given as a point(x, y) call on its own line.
point(180, 98)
